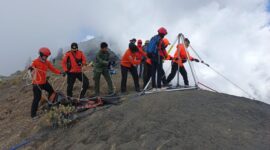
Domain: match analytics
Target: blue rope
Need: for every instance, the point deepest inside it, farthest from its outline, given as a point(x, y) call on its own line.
point(23, 143)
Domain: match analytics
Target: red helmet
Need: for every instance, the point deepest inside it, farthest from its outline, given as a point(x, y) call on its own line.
point(162, 30)
point(44, 51)
point(139, 42)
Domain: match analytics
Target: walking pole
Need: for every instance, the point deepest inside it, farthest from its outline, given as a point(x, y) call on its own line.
point(178, 51)
point(146, 86)
point(82, 82)
point(188, 59)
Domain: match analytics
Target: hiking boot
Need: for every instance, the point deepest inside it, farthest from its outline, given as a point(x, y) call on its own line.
point(153, 90)
point(186, 86)
point(35, 118)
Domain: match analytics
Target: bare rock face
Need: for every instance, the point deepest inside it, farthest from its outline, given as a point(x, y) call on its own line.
point(185, 120)
point(176, 120)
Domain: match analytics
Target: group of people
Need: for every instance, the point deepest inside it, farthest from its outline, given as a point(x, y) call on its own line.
point(150, 57)
point(73, 64)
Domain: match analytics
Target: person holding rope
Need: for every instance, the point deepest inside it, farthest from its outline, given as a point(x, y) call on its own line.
point(129, 62)
point(153, 52)
point(147, 65)
point(101, 67)
point(142, 54)
point(164, 56)
point(184, 55)
point(38, 70)
point(72, 63)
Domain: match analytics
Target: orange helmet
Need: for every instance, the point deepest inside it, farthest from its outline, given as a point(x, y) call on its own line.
point(166, 42)
point(44, 51)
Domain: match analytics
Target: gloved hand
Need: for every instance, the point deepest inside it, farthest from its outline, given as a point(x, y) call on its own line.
point(195, 59)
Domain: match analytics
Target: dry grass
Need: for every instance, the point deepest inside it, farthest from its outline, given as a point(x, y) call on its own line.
point(16, 99)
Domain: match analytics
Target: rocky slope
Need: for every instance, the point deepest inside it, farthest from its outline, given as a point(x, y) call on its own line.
point(194, 119)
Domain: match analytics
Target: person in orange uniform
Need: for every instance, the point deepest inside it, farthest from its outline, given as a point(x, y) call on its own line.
point(129, 62)
point(39, 68)
point(165, 56)
point(72, 64)
point(142, 55)
point(180, 62)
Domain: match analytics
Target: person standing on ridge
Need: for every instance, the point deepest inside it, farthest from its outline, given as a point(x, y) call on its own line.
point(72, 63)
point(129, 62)
point(101, 67)
point(153, 52)
point(39, 68)
point(180, 62)
point(147, 65)
point(142, 56)
point(164, 56)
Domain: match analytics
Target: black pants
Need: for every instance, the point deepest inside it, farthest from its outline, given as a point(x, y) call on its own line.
point(157, 67)
point(163, 77)
point(71, 78)
point(37, 95)
point(146, 73)
point(134, 74)
point(140, 70)
point(182, 70)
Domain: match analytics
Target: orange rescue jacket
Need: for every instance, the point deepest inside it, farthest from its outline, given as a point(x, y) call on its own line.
point(183, 55)
point(72, 56)
point(130, 59)
point(39, 72)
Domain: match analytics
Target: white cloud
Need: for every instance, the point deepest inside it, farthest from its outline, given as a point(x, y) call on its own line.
point(230, 35)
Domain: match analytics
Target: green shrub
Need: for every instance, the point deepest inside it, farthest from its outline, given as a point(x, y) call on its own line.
point(61, 116)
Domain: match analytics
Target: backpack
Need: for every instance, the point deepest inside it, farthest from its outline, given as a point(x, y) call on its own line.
point(152, 46)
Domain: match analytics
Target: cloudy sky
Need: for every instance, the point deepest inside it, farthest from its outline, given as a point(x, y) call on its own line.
point(231, 35)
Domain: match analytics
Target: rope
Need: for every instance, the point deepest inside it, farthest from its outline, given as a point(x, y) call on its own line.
point(224, 77)
point(227, 79)
point(28, 78)
point(207, 87)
